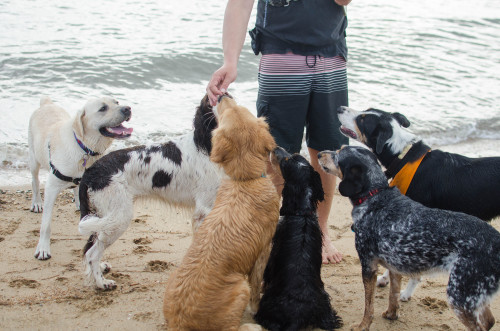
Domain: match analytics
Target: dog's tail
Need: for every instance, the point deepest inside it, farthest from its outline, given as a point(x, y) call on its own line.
point(84, 212)
point(45, 100)
point(83, 192)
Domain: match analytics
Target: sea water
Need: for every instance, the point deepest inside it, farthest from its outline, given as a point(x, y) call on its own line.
point(437, 62)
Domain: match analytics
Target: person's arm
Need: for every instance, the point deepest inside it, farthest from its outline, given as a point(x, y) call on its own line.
point(342, 2)
point(234, 31)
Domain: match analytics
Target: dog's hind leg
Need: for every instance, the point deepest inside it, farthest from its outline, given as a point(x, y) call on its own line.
point(369, 275)
point(94, 267)
point(255, 278)
point(410, 288)
point(480, 321)
point(383, 280)
point(234, 296)
point(486, 318)
point(198, 217)
point(392, 310)
point(106, 230)
point(36, 200)
point(52, 188)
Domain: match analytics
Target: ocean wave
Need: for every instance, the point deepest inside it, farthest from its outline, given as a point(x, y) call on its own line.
point(459, 133)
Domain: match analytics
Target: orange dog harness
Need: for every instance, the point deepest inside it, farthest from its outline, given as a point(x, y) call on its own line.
point(403, 178)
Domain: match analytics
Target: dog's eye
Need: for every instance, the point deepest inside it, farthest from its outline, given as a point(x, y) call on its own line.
point(103, 108)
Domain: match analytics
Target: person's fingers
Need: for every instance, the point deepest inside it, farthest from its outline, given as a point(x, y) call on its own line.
point(211, 97)
point(212, 91)
point(217, 86)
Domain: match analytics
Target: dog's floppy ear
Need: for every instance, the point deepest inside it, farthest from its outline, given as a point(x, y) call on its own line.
point(221, 147)
point(318, 193)
point(352, 181)
point(268, 142)
point(384, 134)
point(402, 120)
point(78, 123)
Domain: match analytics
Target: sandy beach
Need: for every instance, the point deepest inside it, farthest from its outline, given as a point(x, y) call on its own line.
point(52, 295)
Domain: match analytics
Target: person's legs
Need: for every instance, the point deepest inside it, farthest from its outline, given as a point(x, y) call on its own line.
point(283, 99)
point(329, 92)
point(330, 254)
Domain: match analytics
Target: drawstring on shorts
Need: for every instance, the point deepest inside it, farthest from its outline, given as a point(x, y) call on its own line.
point(307, 61)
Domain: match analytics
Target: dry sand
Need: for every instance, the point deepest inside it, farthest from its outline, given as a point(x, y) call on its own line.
point(51, 295)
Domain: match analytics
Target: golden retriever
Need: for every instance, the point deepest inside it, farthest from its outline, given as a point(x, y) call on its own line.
point(210, 289)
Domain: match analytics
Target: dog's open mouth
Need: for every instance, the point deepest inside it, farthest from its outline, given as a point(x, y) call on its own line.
point(117, 132)
point(348, 132)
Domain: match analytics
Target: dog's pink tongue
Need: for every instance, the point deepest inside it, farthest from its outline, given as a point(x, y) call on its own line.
point(121, 130)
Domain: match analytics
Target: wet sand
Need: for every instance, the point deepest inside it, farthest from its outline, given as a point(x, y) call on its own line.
point(52, 295)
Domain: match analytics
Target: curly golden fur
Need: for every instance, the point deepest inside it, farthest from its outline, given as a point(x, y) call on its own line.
point(210, 289)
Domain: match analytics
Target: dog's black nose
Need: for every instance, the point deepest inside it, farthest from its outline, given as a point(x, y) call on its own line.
point(224, 95)
point(341, 109)
point(281, 153)
point(126, 111)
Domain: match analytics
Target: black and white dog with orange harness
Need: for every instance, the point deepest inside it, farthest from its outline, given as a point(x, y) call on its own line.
point(435, 178)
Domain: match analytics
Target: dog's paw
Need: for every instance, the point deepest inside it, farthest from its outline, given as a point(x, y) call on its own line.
point(107, 285)
point(42, 253)
point(105, 267)
point(393, 315)
point(382, 281)
point(359, 327)
point(250, 327)
point(36, 207)
point(405, 296)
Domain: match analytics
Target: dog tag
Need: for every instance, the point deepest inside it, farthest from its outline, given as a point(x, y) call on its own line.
point(85, 158)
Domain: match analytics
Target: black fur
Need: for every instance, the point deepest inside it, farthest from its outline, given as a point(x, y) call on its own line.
point(98, 176)
point(161, 179)
point(204, 123)
point(84, 211)
point(294, 295)
point(410, 239)
point(443, 180)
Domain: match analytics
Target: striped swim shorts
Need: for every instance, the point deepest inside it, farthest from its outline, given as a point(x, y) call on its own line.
point(297, 91)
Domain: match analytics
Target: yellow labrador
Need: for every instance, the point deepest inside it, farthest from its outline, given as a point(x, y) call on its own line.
point(66, 146)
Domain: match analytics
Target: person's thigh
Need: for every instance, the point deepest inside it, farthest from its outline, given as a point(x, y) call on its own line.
point(323, 125)
point(286, 116)
point(284, 91)
point(329, 91)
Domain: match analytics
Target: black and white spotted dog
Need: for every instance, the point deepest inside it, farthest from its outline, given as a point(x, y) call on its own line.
point(294, 295)
point(443, 180)
point(178, 172)
point(410, 239)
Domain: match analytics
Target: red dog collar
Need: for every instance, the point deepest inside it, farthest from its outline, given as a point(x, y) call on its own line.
point(359, 201)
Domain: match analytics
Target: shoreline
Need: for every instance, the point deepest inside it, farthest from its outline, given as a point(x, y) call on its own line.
point(474, 147)
point(52, 295)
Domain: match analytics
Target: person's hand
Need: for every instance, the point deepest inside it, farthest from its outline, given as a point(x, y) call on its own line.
point(220, 81)
point(342, 2)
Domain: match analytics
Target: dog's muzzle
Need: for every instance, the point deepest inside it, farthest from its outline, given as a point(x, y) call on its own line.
point(219, 99)
point(342, 109)
point(280, 153)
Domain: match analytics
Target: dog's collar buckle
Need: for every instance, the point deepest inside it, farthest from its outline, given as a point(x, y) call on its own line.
point(88, 151)
point(405, 151)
